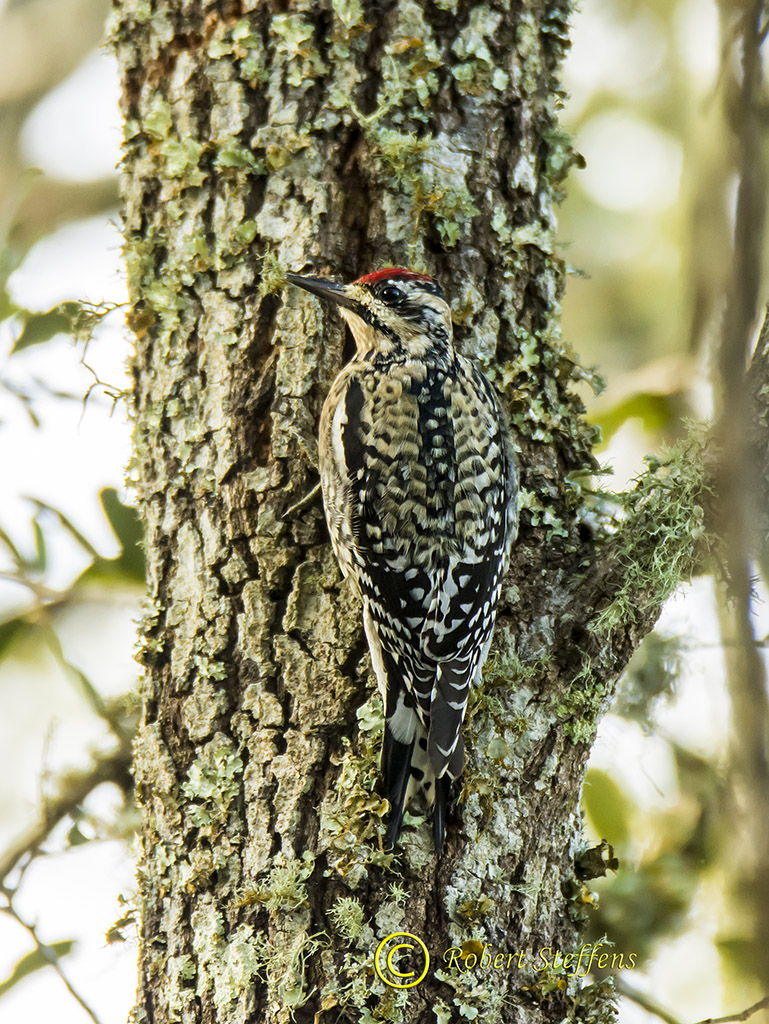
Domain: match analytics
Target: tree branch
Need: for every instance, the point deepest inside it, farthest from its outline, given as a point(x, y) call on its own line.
point(75, 787)
point(743, 425)
point(651, 1005)
point(645, 1001)
point(51, 203)
point(742, 1015)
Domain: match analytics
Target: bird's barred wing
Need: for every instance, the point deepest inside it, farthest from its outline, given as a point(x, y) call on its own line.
point(463, 608)
point(354, 475)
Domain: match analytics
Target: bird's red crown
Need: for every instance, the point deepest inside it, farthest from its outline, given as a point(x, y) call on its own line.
point(387, 272)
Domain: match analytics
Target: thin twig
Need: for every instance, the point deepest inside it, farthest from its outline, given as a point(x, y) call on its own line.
point(650, 1004)
point(647, 1002)
point(743, 1015)
point(49, 954)
point(92, 696)
point(40, 591)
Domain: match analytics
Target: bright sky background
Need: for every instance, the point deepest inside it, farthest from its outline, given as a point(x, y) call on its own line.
point(74, 133)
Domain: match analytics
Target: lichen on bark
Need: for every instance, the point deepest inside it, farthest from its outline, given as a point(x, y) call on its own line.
point(347, 135)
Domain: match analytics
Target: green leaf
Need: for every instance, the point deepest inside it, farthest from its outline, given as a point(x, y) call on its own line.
point(124, 520)
point(655, 411)
point(607, 807)
point(129, 566)
point(742, 955)
point(14, 552)
point(89, 691)
point(41, 557)
point(11, 631)
point(75, 837)
point(7, 306)
point(35, 961)
point(24, 564)
point(41, 327)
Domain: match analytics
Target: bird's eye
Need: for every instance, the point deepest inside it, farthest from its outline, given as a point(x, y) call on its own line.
point(390, 293)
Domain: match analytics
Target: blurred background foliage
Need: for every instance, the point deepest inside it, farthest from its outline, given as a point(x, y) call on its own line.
point(71, 561)
point(646, 231)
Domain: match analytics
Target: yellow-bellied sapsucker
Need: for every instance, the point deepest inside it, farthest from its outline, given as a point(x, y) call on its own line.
point(420, 490)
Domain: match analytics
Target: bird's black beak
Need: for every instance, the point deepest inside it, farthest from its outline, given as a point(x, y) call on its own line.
point(324, 288)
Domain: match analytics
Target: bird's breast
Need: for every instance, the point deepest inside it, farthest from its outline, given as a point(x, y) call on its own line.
point(428, 464)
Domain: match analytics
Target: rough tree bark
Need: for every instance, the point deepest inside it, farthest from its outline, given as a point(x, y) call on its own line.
point(347, 134)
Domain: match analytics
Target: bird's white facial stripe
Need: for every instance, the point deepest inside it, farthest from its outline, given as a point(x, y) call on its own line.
point(364, 334)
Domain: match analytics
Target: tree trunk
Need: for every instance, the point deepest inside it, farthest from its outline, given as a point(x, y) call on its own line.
point(349, 135)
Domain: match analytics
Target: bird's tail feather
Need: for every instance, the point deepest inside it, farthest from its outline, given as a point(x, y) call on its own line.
point(396, 769)
point(407, 770)
point(440, 810)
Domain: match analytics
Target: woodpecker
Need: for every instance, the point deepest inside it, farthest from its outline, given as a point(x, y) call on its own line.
point(419, 484)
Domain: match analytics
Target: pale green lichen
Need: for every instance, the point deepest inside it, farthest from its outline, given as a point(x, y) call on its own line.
point(497, 726)
point(477, 71)
point(182, 159)
point(285, 959)
point(203, 708)
point(285, 887)
point(349, 12)
point(429, 170)
point(226, 964)
point(408, 71)
point(541, 514)
point(231, 153)
point(529, 55)
point(157, 119)
point(281, 145)
point(476, 993)
point(659, 541)
point(443, 1013)
point(391, 914)
point(561, 157)
point(663, 535)
point(180, 970)
point(272, 275)
point(347, 917)
point(241, 962)
point(433, 176)
point(293, 42)
point(139, 11)
point(512, 239)
point(213, 781)
point(350, 815)
point(583, 704)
